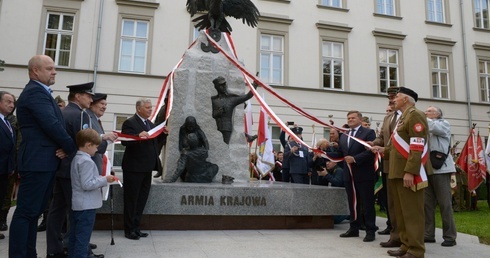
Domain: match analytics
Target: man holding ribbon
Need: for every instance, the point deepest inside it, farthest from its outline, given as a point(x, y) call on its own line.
point(408, 155)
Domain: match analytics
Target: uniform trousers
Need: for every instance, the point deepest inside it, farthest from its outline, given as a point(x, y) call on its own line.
point(34, 190)
point(409, 213)
point(136, 190)
point(439, 192)
point(394, 233)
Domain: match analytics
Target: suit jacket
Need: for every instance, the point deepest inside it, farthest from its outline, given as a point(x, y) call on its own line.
point(42, 128)
point(363, 168)
point(97, 158)
point(139, 156)
point(412, 123)
point(7, 149)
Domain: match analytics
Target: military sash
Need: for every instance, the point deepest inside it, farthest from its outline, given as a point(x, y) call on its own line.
point(404, 148)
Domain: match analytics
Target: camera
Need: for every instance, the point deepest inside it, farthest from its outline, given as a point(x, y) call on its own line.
point(290, 123)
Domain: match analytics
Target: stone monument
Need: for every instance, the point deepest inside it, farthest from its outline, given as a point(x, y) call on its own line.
point(193, 89)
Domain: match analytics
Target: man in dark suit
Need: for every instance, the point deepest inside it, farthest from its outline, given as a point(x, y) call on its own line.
point(76, 119)
point(359, 176)
point(139, 160)
point(44, 142)
point(7, 146)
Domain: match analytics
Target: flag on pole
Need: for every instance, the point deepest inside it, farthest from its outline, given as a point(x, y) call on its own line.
point(487, 153)
point(249, 121)
point(313, 137)
point(471, 160)
point(265, 159)
point(481, 158)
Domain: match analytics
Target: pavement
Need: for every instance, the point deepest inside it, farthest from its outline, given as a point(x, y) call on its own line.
point(258, 243)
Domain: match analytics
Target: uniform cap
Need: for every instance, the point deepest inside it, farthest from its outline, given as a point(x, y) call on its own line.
point(98, 96)
point(297, 130)
point(82, 88)
point(219, 80)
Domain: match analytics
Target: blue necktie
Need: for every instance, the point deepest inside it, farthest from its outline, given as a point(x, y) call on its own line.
point(147, 125)
point(8, 125)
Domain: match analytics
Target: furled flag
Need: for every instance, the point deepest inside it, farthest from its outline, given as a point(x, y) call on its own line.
point(248, 119)
point(487, 153)
point(265, 159)
point(471, 160)
point(313, 138)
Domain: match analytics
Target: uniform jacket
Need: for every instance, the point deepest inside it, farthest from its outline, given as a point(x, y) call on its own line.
point(440, 135)
point(139, 156)
point(224, 119)
point(363, 168)
point(7, 148)
point(85, 183)
point(75, 120)
point(384, 138)
point(412, 123)
point(297, 164)
point(42, 128)
point(97, 158)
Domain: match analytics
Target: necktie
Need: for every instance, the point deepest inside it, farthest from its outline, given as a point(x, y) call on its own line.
point(351, 133)
point(393, 122)
point(8, 125)
point(147, 125)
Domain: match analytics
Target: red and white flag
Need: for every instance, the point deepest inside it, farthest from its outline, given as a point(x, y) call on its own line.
point(472, 160)
point(265, 157)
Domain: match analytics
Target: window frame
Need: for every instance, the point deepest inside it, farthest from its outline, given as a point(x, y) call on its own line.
point(444, 6)
point(485, 78)
point(481, 24)
point(439, 71)
point(272, 54)
point(117, 126)
point(329, 3)
point(389, 40)
point(333, 59)
point(60, 32)
point(134, 39)
point(441, 47)
point(396, 7)
point(388, 66)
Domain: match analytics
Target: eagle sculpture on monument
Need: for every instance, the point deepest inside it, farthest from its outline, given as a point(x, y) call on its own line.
point(219, 9)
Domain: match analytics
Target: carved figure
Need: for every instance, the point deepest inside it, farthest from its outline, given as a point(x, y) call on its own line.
point(224, 105)
point(193, 146)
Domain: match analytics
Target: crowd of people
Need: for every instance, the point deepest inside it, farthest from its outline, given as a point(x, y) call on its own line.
point(61, 147)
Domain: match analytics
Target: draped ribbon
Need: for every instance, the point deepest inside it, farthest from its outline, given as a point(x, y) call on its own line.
point(420, 181)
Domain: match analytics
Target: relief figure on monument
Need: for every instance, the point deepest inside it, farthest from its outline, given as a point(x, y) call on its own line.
point(223, 106)
point(193, 146)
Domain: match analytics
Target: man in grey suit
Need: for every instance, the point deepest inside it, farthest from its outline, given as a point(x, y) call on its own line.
point(96, 111)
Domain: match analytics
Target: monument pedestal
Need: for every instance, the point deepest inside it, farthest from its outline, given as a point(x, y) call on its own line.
point(241, 205)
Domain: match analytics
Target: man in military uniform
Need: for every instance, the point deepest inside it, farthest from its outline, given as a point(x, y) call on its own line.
point(409, 165)
point(383, 139)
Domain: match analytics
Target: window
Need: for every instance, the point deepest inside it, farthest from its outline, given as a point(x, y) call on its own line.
point(440, 76)
point(435, 11)
point(58, 37)
point(386, 7)
point(481, 13)
point(484, 70)
point(333, 65)
point(134, 44)
point(332, 3)
point(118, 148)
point(276, 143)
point(272, 58)
point(388, 68)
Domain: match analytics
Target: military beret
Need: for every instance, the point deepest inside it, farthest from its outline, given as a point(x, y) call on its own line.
point(219, 80)
point(297, 130)
point(409, 92)
point(82, 88)
point(98, 96)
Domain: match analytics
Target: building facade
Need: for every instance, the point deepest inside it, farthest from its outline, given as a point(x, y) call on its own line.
point(326, 56)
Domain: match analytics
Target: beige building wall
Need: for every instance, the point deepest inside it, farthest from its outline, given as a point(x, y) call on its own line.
point(304, 23)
